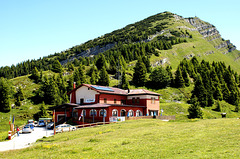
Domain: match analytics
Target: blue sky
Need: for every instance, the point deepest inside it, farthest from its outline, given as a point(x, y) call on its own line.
point(33, 29)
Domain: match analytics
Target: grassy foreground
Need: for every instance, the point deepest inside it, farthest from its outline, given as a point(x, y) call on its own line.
point(212, 138)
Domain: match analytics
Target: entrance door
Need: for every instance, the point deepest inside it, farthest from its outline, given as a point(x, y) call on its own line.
point(123, 113)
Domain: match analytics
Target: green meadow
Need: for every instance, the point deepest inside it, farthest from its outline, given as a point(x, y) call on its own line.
point(149, 138)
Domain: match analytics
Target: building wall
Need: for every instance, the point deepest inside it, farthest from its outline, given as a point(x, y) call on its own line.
point(98, 118)
point(110, 98)
point(145, 100)
point(87, 94)
point(153, 106)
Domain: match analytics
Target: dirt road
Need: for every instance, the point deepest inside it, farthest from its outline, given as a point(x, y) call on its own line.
point(25, 140)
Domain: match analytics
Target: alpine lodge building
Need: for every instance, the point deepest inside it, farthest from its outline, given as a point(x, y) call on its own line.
point(93, 103)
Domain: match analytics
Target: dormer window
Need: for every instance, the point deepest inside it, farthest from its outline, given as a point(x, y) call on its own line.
point(105, 100)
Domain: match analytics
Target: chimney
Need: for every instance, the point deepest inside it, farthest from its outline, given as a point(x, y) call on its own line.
point(74, 85)
point(73, 94)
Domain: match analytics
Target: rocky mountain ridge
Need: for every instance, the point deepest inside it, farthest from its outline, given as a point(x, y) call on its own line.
point(207, 30)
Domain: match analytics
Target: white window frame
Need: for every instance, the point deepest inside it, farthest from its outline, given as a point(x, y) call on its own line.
point(139, 113)
point(132, 113)
point(114, 110)
point(94, 113)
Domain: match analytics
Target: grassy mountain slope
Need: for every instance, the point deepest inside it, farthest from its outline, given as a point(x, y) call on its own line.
point(215, 138)
point(163, 26)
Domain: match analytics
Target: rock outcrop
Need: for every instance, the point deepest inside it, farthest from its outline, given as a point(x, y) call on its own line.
point(209, 32)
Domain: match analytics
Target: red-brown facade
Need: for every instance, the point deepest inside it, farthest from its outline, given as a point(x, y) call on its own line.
point(88, 102)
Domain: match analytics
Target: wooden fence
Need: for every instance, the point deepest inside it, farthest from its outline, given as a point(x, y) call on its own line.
point(152, 117)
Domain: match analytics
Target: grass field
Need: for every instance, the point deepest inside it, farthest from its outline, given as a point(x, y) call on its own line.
point(212, 138)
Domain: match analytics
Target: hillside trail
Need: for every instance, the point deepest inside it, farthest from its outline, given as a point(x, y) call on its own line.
point(26, 139)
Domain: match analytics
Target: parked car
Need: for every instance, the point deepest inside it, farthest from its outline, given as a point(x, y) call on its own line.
point(64, 127)
point(50, 125)
point(30, 121)
point(35, 123)
point(41, 123)
point(26, 129)
point(31, 126)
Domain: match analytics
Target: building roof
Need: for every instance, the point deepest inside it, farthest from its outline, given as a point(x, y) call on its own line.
point(66, 105)
point(141, 92)
point(113, 90)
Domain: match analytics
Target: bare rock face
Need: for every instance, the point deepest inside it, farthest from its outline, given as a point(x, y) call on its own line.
point(90, 52)
point(210, 32)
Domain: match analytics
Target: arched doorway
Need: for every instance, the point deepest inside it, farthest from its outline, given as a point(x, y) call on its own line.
point(123, 112)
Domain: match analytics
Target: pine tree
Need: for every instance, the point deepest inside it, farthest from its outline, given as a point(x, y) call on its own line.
point(103, 77)
point(200, 92)
point(185, 76)
point(159, 78)
point(179, 81)
point(218, 106)
point(57, 67)
point(218, 94)
point(81, 74)
point(19, 94)
point(4, 95)
point(43, 112)
point(124, 81)
point(169, 70)
point(70, 67)
point(146, 61)
point(35, 75)
point(194, 110)
point(93, 79)
point(139, 75)
point(101, 62)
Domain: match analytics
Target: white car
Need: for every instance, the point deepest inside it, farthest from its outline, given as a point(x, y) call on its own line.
point(64, 127)
point(26, 129)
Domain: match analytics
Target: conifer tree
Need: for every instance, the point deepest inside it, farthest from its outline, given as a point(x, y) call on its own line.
point(19, 94)
point(70, 67)
point(218, 94)
point(4, 95)
point(194, 110)
point(101, 62)
point(200, 92)
point(93, 79)
point(218, 106)
point(70, 83)
point(169, 70)
point(35, 75)
point(185, 76)
point(195, 64)
point(146, 61)
point(159, 78)
point(103, 77)
point(57, 67)
point(43, 112)
point(139, 75)
point(81, 74)
point(124, 81)
point(179, 81)
point(225, 92)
